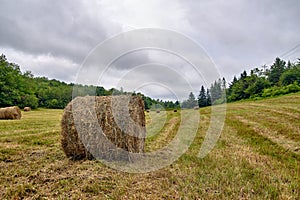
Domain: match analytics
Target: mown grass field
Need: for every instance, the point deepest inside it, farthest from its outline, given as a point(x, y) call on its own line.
point(256, 157)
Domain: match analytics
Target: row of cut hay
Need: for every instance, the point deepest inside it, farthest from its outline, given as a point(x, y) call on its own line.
point(12, 112)
point(122, 121)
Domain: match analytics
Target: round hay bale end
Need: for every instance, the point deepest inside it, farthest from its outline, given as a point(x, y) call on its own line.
point(26, 109)
point(122, 123)
point(13, 112)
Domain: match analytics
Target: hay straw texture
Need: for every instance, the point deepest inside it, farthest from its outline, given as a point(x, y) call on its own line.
point(26, 109)
point(13, 112)
point(119, 120)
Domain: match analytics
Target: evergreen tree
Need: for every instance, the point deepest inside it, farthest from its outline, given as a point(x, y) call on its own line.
point(177, 104)
point(216, 90)
point(289, 65)
point(243, 75)
point(223, 84)
point(208, 98)
point(229, 90)
point(202, 100)
point(191, 102)
point(276, 70)
point(234, 80)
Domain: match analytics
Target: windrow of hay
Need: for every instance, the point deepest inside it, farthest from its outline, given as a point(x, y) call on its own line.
point(88, 123)
point(12, 112)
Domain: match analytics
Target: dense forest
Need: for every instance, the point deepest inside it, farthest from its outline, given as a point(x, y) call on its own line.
point(280, 78)
point(23, 89)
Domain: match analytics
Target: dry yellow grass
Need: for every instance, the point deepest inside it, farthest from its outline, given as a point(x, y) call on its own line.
point(248, 162)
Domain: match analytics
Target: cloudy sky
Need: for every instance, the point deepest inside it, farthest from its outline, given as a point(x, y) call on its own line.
point(56, 39)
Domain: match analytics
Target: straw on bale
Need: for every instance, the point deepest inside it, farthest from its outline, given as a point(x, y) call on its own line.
point(26, 109)
point(12, 112)
point(118, 119)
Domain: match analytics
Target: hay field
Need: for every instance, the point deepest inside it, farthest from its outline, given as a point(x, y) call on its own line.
point(257, 157)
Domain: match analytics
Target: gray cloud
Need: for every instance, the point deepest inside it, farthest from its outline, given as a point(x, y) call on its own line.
point(245, 34)
point(63, 29)
point(52, 38)
point(149, 46)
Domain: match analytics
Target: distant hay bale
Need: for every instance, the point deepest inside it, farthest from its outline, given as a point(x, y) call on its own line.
point(12, 112)
point(26, 109)
point(196, 108)
point(158, 111)
point(122, 123)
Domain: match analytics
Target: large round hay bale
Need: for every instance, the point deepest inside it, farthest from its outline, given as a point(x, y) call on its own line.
point(26, 109)
point(12, 112)
point(125, 131)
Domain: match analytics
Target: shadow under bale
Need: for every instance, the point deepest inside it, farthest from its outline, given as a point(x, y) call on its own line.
point(12, 112)
point(106, 127)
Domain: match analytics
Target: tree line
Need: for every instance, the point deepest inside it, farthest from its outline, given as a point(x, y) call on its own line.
point(23, 89)
point(280, 78)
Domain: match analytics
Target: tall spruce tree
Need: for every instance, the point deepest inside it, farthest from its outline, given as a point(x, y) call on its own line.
point(202, 100)
point(192, 102)
point(216, 90)
point(208, 98)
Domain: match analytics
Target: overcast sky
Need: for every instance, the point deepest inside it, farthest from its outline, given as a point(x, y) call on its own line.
point(53, 38)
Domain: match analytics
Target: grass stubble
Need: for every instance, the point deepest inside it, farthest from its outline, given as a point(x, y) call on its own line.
point(256, 157)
